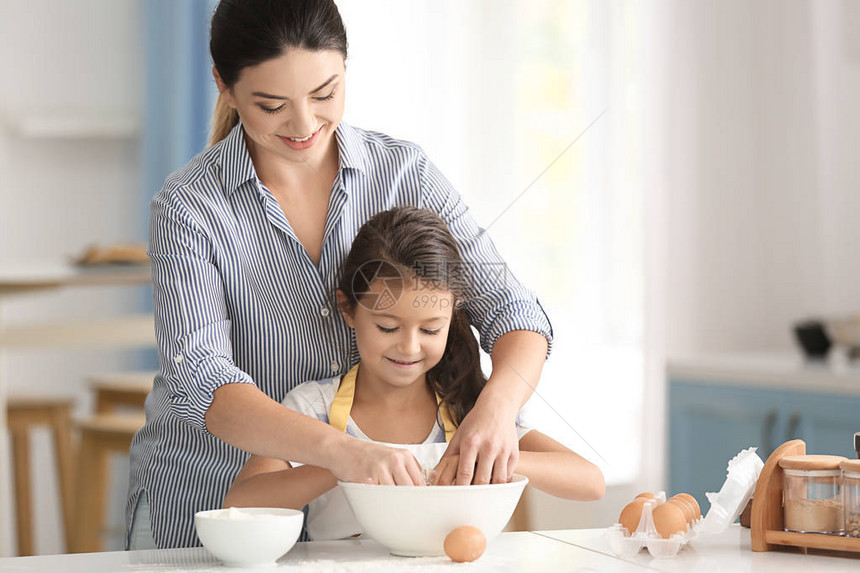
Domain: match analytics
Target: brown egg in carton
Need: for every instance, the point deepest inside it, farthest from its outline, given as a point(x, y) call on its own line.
point(661, 525)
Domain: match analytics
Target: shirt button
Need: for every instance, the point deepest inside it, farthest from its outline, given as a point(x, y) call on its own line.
point(324, 311)
point(178, 359)
point(335, 366)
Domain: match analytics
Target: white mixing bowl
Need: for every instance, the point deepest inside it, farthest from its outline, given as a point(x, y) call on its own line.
point(249, 536)
point(413, 521)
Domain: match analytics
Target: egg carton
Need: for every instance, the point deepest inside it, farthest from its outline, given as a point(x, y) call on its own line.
point(625, 545)
point(742, 474)
point(728, 503)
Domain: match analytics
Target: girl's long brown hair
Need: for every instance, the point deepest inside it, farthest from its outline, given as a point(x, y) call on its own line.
point(407, 243)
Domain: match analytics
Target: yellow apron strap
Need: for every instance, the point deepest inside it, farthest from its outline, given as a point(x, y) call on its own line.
point(447, 422)
point(342, 404)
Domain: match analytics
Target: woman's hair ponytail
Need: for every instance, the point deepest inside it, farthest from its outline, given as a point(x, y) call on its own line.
point(224, 119)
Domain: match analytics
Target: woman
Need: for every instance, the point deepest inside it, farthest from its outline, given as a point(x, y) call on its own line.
point(245, 243)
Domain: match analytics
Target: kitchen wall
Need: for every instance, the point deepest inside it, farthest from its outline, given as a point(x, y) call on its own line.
point(750, 183)
point(58, 194)
point(761, 186)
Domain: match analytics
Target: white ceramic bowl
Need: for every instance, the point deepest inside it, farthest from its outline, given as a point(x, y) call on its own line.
point(249, 536)
point(413, 521)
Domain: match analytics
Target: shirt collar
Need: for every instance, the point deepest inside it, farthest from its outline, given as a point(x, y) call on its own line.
point(236, 164)
point(237, 167)
point(351, 151)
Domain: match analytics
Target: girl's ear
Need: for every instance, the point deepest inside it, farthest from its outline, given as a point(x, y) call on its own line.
point(343, 306)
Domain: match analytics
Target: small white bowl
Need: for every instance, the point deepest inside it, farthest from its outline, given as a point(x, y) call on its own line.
point(414, 521)
point(249, 536)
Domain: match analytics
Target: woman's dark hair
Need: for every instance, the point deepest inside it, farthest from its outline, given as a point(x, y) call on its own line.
point(409, 246)
point(246, 33)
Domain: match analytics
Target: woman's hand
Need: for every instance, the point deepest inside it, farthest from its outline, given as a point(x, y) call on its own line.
point(366, 462)
point(486, 440)
point(484, 448)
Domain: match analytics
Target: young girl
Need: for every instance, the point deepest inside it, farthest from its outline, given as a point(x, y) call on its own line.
point(400, 290)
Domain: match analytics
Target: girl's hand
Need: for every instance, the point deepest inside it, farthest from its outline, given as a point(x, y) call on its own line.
point(485, 444)
point(445, 471)
point(365, 462)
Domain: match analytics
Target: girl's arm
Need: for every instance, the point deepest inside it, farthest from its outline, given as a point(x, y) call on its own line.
point(267, 482)
point(550, 467)
point(557, 470)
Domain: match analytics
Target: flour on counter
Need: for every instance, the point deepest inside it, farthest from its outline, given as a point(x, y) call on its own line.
point(420, 564)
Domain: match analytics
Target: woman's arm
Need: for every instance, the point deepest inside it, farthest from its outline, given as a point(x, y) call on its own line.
point(514, 329)
point(207, 390)
point(487, 433)
point(550, 467)
point(244, 417)
point(267, 482)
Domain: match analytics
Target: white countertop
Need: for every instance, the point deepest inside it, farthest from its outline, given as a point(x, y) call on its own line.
point(778, 370)
point(540, 551)
point(727, 552)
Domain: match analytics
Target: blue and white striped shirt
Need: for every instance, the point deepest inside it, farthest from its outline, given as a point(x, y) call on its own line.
point(238, 299)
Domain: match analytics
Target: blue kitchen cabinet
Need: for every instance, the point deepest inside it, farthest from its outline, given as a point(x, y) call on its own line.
point(711, 422)
point(826, 422)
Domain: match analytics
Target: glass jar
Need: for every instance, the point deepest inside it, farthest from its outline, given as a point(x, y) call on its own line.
point(812, 494)
point(851, 496)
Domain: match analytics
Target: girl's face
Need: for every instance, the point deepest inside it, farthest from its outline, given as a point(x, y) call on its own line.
point(290, 105)
point(400, 343)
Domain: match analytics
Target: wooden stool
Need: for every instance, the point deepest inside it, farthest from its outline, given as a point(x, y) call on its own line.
point(120, 389)
point(101, 435)
point(23, 413)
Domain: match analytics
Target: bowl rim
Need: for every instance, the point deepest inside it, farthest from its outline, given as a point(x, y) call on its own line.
point(259, 513)
point(516, 481)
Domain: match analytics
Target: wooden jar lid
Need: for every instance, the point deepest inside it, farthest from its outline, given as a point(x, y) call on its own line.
point(811, 462)
point(852, 466)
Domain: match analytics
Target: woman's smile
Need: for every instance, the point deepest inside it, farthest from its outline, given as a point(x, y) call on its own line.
point(301, 143)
